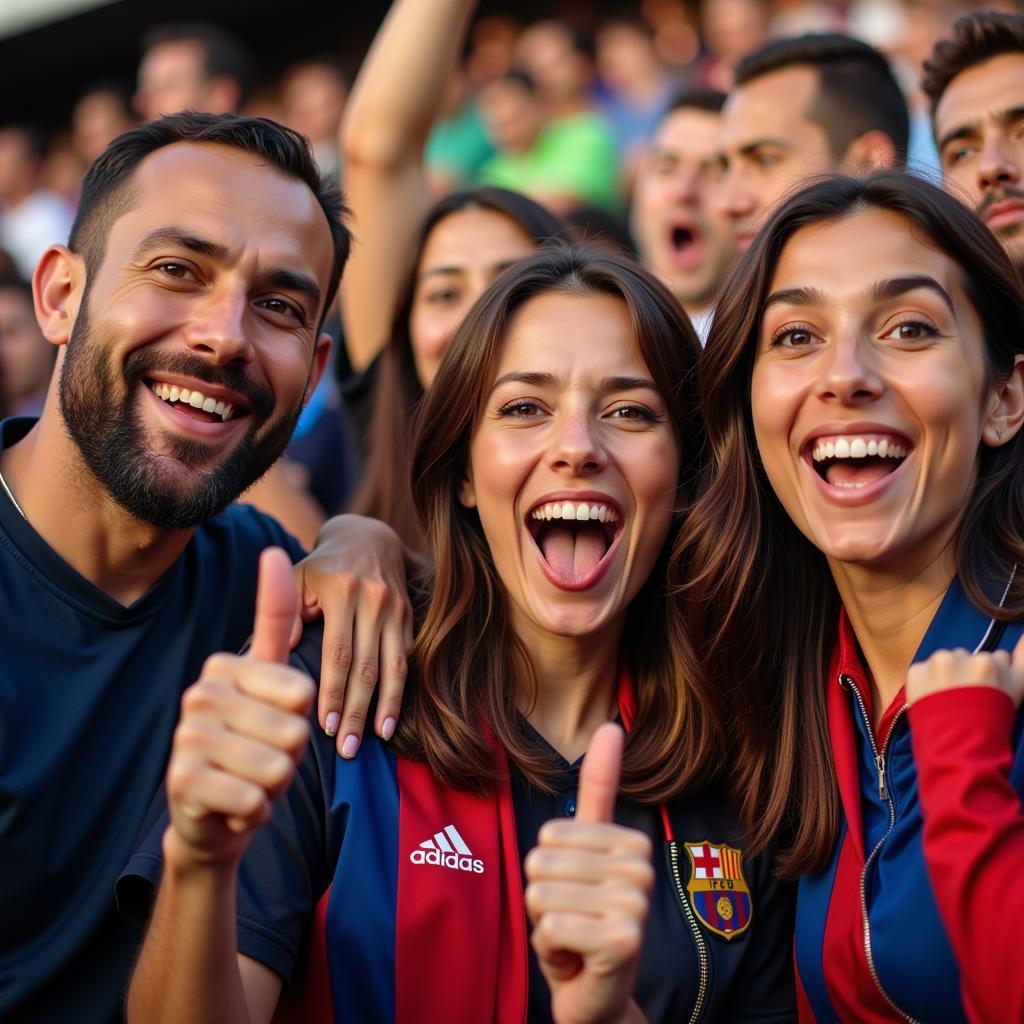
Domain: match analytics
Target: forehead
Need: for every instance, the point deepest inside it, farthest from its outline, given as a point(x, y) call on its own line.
point(772, 105)
point(849, 255)
point(175, 55)
point(689, 133)
point(229, 197)
point(984, 89)
point(572, 335)
point(475, 237)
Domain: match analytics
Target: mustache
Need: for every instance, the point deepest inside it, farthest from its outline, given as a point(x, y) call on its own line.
point(998, 196)
point(144, 362)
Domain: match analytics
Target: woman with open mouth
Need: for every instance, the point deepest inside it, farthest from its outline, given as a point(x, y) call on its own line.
point(862, 388)
point(560, 437)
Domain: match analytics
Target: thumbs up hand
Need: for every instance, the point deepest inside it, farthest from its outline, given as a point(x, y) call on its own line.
point(587, 897)
point(243, 729)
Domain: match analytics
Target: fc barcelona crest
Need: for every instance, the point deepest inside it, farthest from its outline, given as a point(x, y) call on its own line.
point(718, 891)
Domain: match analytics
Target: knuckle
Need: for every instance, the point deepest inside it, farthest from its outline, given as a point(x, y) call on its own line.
point(355, 720)
point(339, 654)
point(366, 674)
point(399, 666)
point(219, 664)
point(378, 595)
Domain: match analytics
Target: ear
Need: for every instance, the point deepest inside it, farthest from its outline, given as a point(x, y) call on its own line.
point(467, 492)
point(872, 151)
point(57, 287)
point(1005, 408)
point(320, 357)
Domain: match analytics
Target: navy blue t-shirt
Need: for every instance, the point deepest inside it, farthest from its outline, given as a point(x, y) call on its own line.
point(89, 696)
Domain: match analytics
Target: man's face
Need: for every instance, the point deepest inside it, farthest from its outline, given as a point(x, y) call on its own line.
point(979, 131)
point(192, 351)
point(683, 238)
point(173, 77)
point(768, 147)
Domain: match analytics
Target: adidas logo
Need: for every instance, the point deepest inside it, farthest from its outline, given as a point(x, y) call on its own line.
point(447, 849)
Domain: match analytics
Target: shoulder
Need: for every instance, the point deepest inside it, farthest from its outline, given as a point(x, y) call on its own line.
point(243, 531)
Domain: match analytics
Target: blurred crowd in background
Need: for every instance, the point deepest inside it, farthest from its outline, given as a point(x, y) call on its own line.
point(553, 100)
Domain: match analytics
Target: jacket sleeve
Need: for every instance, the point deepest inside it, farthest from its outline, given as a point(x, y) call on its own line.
point(974, 840)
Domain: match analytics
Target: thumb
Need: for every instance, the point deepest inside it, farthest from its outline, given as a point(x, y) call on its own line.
point(599, 774)
point(277, 604)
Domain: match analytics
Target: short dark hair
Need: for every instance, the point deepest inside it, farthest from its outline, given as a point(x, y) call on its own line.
point(710, 101)
point(223, 53)
point(14, 282)
point(976, 39)
point(107, 193)
point(857, 91)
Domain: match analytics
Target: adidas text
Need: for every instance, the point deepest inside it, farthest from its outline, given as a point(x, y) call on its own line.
point(448, 860)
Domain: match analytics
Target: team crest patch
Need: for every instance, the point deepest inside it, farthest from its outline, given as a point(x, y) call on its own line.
point(718, 891)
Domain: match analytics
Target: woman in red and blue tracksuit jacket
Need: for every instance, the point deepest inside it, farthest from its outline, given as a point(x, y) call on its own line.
point(868, 351)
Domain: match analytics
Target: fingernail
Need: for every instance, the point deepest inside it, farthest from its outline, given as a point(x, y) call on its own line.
point(332, 723)
point(387, 729)
point(350, 746)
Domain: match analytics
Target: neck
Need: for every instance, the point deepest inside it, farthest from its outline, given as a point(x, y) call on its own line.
point(890, 609)
point(70, 510)
point(577, 679)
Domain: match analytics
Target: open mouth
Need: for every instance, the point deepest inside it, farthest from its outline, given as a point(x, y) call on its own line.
point(686, 243)
point(192, 402)
point(574, 539)
point(857, 461)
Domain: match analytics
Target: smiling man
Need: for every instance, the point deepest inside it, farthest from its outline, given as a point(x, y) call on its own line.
point(801, 107)
point(975, 81)
point(681, 236)
point(186, 314)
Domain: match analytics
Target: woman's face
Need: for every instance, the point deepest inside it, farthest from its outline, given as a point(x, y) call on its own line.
point(870, 392)
point(573, 465)
point(462, 255)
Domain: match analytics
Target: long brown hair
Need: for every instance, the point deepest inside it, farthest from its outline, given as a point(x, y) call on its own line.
point(762, 603)
point(469, 664)
point(384, 489)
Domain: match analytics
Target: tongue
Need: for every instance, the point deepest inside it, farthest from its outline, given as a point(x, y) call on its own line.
point(573, 552)
point(858, 472)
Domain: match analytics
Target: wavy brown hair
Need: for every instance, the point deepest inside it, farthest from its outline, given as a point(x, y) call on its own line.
point(470, 666)
point(384, 490)
point(762, 603)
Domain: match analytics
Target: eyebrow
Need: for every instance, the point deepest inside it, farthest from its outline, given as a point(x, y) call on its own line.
point(963, 131)
point(748, 147)
point(881, 290)
point(447, 271)
point(287, 280)
point(542, 380)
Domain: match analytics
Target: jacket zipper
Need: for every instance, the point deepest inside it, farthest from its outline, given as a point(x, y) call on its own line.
point(883, 794)
point(703, 963)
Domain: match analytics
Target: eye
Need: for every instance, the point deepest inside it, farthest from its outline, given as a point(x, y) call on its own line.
point(957, 154)
point(634, 412)
point(281, 307)
point(179, 271)
point(522, 408)
point(765, 158)
point(442, 296)
point(793, 336)
point(911, 331)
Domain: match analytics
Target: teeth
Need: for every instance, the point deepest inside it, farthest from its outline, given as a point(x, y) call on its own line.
point(857, 448)
point(581, 512)
point(196, 399)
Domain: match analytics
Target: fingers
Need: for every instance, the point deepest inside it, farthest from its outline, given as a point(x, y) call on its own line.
point(947, 670)
point(599, 775)
point(277, 606)
point(339, 609)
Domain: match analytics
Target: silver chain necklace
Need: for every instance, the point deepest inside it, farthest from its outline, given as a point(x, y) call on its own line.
point(14, 500)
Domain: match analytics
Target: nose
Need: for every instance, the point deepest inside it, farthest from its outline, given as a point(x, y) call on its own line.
point(217, 328)
point(576, 447)
point(732, 197)
point(997, 163)
point(848, 372)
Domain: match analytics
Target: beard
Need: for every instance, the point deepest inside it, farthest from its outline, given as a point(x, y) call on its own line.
point(177, 488)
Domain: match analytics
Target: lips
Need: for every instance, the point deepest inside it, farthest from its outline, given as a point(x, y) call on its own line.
point(686, 244)
point(1004, 214)
point(854, 464)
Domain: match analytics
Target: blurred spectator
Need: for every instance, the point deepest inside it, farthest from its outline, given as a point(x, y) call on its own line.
point(814, 104)
point(563, 162)
point(31, 217)
point(637, 86)
point(62, 170)
point(313, 94)
point(683, 238)
point(100, 114)
point(560, 60)
point(26, 357)
point(458, 145)
point(730, 29)
point(192, 66)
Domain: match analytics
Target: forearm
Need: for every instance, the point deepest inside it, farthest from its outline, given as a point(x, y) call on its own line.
point(402, 82)
point(974, 840)
point(188, 967)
